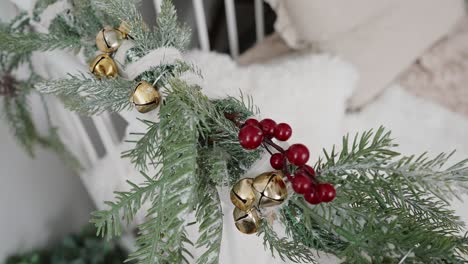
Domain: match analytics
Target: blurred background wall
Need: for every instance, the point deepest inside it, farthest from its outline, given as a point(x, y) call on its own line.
point(41, 200)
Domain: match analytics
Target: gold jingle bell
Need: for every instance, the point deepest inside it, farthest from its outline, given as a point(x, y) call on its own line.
point(109, 39)
point(243, 195)
point(246, 221)
point(103, 66)
point(145, 97)
point(271, 189)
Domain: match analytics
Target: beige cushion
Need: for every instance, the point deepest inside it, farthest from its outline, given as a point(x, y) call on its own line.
point(381, 38)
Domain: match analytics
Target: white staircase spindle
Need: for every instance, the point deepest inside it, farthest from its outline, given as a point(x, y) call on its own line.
point(232, 27)
point(106, 131)
point(202, 27)
point(259, 20)
point(157, 6)
point(76, 134)
point(110, 140)
point(84, 139)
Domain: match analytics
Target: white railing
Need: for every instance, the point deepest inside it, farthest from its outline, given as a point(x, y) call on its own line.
point(231, 23)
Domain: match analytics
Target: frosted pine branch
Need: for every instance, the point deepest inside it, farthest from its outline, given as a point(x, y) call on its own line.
point(89, 95)
point(25, 43)
point(109, 222)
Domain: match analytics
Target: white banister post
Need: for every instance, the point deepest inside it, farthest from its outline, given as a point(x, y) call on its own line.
point(232, 27)
point(259, 20)
point(202, 27)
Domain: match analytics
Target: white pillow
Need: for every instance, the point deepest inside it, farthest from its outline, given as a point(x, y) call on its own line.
point(381, 38)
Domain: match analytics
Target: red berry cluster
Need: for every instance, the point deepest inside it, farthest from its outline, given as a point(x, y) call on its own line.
point(254, 133)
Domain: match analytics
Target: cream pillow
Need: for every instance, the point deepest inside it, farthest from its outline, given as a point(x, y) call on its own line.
point(381, 38)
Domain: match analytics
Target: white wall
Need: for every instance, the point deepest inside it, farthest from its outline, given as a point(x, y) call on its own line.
point(40, 199)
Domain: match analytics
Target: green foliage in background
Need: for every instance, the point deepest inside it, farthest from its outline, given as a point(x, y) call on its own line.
point(82, 248)
point(15, 93)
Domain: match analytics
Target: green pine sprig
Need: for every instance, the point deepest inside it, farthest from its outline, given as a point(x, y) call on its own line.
point(380, 212)
point(146, 151)
point(285, 249)
point(162, 239)
point(27, 42)
point(209, 215)
point(109, 222)
point(90, 96)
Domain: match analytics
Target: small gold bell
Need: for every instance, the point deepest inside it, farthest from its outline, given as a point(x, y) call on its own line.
point(109, 39)
point(270, 189)
point(246, 221)
point(243, 195)
point(103, 66)
point(145, 97)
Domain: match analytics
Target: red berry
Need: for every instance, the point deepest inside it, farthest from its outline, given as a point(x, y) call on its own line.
point(250, 137)
point(277, 161)
point(312, 197)
point(298, 154)
point(326, 192)
point(302, 184)
point(307, 170)
point(268, 127)
point(283, 132)
point(252, 122)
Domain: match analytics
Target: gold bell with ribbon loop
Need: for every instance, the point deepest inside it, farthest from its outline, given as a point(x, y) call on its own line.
point(243, 195)
point(103, 66)
point(109, 39)
point(270, 189)
point(246, 222)
point(145, 97)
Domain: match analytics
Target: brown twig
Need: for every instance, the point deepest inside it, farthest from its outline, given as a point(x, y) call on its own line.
point(8, 85)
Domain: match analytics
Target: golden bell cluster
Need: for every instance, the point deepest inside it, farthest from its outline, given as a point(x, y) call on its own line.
point(145, 97)
point(248, 195)
point(108, 40)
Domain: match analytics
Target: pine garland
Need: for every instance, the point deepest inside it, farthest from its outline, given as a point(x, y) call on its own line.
point(15, 93)
point(108, 222)
point(389, 208)
point(95, 96)
point(146, 151)
point(380, 211)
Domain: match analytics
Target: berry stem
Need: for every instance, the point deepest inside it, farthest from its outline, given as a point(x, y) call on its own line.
point(233, 118)
point(267, 148)
point(274, 145)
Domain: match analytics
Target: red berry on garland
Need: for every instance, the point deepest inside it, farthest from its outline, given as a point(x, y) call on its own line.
point(252, 122)
point(313, 197)
point(277, 161)
point(306, 170)
point(326, 192)
point(283, 132)
point(302, 184)
point(298, 154)
point(268, 127)
point(250, 137)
